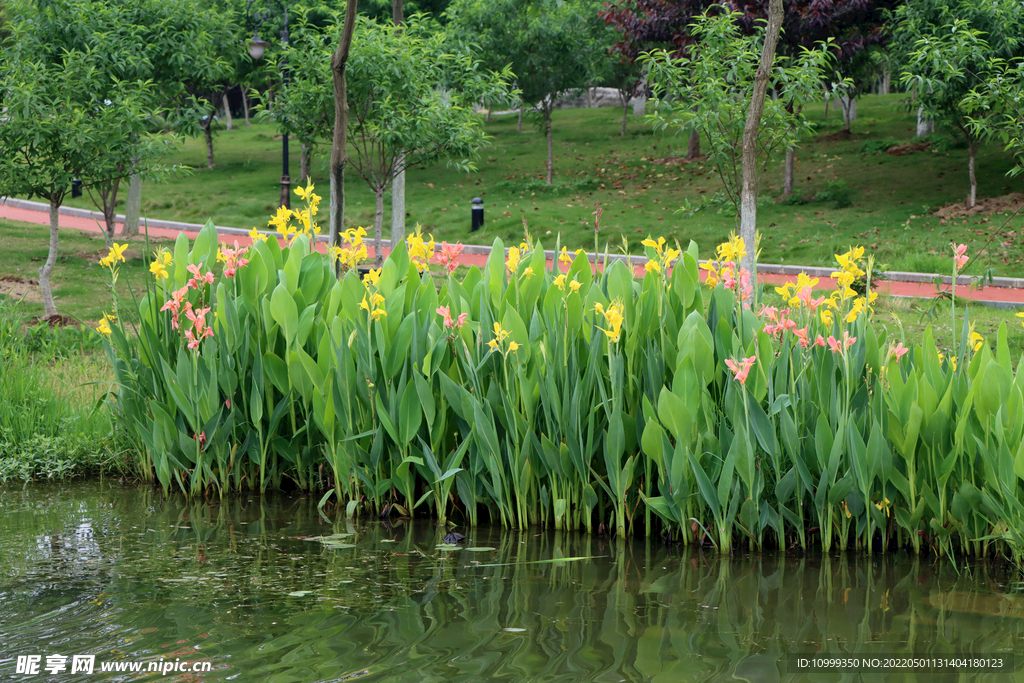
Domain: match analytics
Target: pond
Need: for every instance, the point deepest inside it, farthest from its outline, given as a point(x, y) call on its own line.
point(270, 590)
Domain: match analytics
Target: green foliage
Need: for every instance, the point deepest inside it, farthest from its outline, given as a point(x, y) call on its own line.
point(46, 430)
point(558, 189)
point(709, 90)
point(545, 406)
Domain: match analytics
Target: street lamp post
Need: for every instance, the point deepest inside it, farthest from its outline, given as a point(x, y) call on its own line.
point(256, 48)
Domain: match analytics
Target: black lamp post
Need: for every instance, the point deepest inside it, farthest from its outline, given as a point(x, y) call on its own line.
point(256, 48)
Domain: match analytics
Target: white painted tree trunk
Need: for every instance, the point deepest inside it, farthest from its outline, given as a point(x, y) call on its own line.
point(227, 111)
point(304, 162)
point(132, 207)
point(972, 150)
point(398, 204)
point(551, 152)
point(924, 126)
point(640, 101)
point(378, 228)
point(748, 194)
point(849, 105)
point(49, 307)
point(787, 179)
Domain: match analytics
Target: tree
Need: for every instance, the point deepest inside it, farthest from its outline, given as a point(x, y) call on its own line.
point(712, 87)
point(405, 90)
point(175, 44)
point(950, 49)
point(58, 129)
point(553, 46)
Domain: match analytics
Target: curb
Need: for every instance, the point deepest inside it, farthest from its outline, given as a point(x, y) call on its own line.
point(482, 250)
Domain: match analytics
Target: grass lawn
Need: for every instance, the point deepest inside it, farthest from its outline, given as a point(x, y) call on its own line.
point(892, 196)
point(81, 287)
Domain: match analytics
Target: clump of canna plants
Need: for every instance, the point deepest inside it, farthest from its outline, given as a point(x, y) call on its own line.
point(528, 393)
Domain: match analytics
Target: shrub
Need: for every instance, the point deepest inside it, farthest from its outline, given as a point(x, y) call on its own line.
point(573, 398)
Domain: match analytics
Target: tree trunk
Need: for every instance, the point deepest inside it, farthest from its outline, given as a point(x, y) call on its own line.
point(625, 113)
point(487, 106)
point(827, 99)
point(132, 207)
point(378, 228)
point(339, 143)
point(227, 111)
point(551, 152)
point(398, 183)
point(849, 105)
point(748, 195)
point(886, 82)
point(49, 307)
point(245, 108)
point(924, 126)
point(303, 162)
point(208, 132)
point(519, 128)
point(693, 145)
point(787, 179)
point(110, 212)
point(640, 103)
point(398, 204)
point(972, 149)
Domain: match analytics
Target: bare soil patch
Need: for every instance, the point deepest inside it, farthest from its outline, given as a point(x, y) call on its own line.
point(907, 148)
point(838, 135)
point(20, 289)
point(1008, 203)
point(677, 161)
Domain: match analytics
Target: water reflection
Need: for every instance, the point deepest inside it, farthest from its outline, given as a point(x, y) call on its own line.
point(127, 575)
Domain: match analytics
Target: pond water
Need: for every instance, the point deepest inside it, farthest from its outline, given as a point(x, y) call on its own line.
point(270, 590)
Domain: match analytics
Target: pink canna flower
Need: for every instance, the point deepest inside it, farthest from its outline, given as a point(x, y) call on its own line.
point(448, 257)
point(446, 313)
point(742, 369)
point(462, 319)
point(820, 341)
point(806, 297)
point(898, 351)
point(801, 334)
point(199, 278)
point(840, 347)
point(960, 256)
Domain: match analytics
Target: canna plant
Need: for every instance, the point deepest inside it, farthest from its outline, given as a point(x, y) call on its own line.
point(568, 395)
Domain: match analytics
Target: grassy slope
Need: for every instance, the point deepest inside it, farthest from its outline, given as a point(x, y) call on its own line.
point(641, 197)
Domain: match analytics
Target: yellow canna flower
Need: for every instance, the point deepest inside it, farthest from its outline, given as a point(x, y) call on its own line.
point(883, 506)
point(826, 316)
point(304, 192)
point(614, 318)
point(976, 340)
point(494, 345)
point(564, 257)
point(657, 246)
point(365, 303)
point(560, 281)
point(652, 267)
point(574, 286)
point(255, 235)
point(513, 346)
point(377, 313)
point(712, 278)
point(514, 256)
point(528, 271)
point(159, 270)
point(373, 277)
point(103, 327)
point(1020, 315)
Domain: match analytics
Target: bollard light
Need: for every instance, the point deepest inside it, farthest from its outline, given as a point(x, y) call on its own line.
point(76, 187)
point(478, 214)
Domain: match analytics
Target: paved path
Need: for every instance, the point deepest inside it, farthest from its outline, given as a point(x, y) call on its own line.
point(1009, 293)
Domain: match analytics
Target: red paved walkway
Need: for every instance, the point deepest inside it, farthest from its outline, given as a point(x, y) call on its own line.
point(911, 289)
